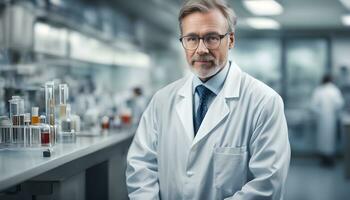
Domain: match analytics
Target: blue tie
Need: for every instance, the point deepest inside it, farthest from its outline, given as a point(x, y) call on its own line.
point(204, 94)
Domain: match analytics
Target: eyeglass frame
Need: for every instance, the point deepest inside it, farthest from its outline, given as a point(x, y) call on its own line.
point(202, 38)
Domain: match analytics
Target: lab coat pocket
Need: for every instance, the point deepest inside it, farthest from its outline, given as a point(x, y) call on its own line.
point(230, 169)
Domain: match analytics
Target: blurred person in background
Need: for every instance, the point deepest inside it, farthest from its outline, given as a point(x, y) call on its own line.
point(137, 103)
point(326, 102)
point(215, 134)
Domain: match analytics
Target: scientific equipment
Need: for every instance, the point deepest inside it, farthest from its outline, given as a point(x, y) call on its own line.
point(5, 131)
point(27, 119)
point(17, 117)
point(50, 102)
point(26, 130)
point(35, 136)
point(105, 123)
point(16, 131)
point(47, 153)
point(35, 116)
point(50, 110)
point(75, 123)
point(23, 130)
point(66, 122)
point(45, 132)
point(66, 133)
point(63, 96)
point(126, 116)
point(17, 110)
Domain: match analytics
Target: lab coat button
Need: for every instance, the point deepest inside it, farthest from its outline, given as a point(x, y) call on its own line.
point(189, 173)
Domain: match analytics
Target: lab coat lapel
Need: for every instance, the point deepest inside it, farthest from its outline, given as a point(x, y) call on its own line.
point(184, 107)
point(221, 106)
point(217, 111)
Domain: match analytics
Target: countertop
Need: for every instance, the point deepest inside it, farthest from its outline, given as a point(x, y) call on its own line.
point(17, 166)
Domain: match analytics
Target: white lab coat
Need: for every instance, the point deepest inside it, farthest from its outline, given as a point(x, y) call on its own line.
point(326, 103)
point(241, 150)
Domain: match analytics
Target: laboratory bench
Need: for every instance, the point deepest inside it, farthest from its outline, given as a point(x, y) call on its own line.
point(91, 167)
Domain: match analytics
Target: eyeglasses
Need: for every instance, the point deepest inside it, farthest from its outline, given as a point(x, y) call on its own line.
point(211, 41)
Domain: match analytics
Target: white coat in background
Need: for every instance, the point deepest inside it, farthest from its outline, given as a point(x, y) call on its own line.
point(241, 150)
point(326, 103)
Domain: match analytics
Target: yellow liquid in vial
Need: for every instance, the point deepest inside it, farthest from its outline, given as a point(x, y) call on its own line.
point(35, 120)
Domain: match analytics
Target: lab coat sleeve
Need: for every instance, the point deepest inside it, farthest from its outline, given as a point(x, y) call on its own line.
point(269, 155)
point(142, 170)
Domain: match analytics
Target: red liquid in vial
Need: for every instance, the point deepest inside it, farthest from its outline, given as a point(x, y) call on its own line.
point(45, 138)
point(125, 118)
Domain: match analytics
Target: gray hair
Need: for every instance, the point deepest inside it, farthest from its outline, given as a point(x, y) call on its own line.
point(191, 6)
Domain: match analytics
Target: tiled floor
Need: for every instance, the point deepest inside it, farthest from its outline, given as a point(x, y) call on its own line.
point(307, 180)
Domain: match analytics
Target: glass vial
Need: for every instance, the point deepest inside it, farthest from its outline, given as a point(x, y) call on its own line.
point(35, 116)
point(44, 132)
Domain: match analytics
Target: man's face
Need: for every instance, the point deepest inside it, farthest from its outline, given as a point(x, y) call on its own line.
point(206, 63)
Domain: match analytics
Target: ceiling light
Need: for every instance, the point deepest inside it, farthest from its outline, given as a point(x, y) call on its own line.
point(346, 20)
point(263, 23)
point(263, 7)
point(346, 3)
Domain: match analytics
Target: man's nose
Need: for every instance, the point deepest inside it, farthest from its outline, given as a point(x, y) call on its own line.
point(202, 49)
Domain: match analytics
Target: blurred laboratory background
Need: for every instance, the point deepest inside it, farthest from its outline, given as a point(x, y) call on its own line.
point(100, 61)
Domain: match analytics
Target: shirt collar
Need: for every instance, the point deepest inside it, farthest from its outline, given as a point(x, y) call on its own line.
point(215, 83)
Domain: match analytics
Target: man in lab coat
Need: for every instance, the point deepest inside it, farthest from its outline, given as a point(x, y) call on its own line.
point(326, 102)
point(216, 134)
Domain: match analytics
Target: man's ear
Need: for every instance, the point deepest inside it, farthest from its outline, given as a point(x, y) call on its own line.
point(232, 40)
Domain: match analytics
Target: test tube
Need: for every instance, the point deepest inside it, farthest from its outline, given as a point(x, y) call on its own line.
point(50, 102)
point(27, 133)
point(21, 111)
point(27, 119)
point(17, 117)
point(5, 132)
point(63, 96)
point(14, 110)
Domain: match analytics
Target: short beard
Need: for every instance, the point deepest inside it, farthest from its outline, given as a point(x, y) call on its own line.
point(206, 73)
